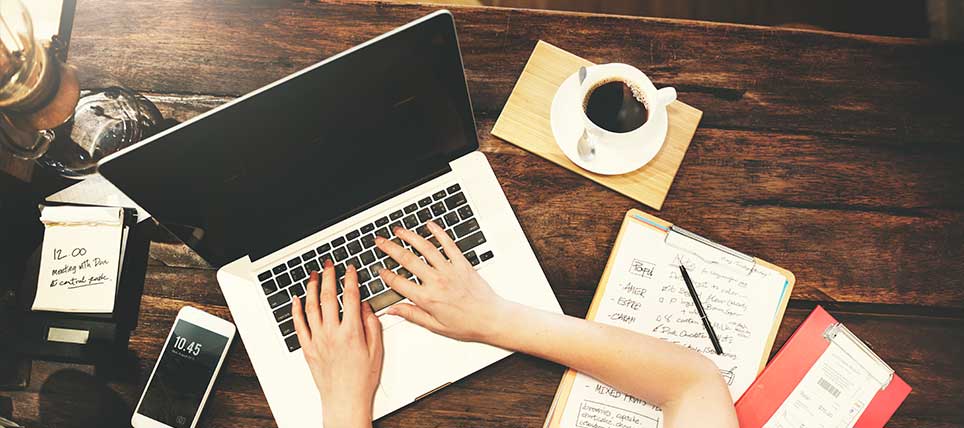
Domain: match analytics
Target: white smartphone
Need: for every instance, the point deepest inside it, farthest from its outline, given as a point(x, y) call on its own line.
point(185, 372)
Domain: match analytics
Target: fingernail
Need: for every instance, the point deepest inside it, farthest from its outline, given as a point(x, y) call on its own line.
point(378, 270)
point(314, 275)
point(329, 263)
point(379, 239)
point(397, 229)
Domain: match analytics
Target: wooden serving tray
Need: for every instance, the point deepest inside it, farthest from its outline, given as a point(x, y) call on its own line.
point(525, 122)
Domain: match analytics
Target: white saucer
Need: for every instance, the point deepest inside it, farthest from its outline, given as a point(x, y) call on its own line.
point(565, 118)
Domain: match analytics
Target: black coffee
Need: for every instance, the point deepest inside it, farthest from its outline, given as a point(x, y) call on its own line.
point(613, 107)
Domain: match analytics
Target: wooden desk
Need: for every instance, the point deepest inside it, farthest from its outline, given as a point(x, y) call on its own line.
point(844, 151)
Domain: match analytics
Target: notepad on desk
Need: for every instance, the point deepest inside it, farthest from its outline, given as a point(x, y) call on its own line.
point(642, 290)
point(81, 259)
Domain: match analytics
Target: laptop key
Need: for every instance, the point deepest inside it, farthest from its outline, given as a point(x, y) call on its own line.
point(375, 268)
point(354, 262)
point(284, 280)
point(486, 256)
point(298, 273)
point(424, 202)
point(309, 255)
point(279, 298)
point(411, 208)
point(367, 258)
point(337, 241)
point(322, 258)
point(423, 231)
point(438, 209)
point(435, 242)
point(368, 241)
point(455, 200)
point(280, 268)
point(297, 289)
point(282, 313)
point(424, 215)
point(323, 248)
point(410, 221)
point(367, 228)
point(438, 195)
point(471, 241)
point(340, 254)
point(376, 286)
point(465, 212)
point(294, 262)
point(352, 235)
point(466, 228)
point(472, 258)
point(364, 276)
point(264, 276)
point(269, 286)
point(292, 343)
point(393, 226)
point(313, 266)
point(390, 263)
point(381, 222)
point(354, 247)
point(383, 232)
point(363, 293)
point(287, 327)
point(379, 253)
point(451, 219)
point(403, 272)
point(396, 215)
point(340, 270)
point(453, 188)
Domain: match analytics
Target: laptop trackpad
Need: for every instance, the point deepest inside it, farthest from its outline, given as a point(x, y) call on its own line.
point(418, 361)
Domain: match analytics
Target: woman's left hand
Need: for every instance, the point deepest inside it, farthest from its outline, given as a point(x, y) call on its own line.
point(345, 356)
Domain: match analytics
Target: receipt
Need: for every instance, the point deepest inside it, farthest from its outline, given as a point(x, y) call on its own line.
point(835, 392)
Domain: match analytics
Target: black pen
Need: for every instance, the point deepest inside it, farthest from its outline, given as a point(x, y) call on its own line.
point(699, 308)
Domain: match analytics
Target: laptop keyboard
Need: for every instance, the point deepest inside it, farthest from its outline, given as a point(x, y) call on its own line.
point(447, 207)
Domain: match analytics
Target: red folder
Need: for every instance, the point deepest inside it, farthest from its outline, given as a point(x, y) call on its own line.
point(786, 370)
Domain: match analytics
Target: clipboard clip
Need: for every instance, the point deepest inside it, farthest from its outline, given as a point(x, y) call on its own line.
point(837, 333)
point(679, 231)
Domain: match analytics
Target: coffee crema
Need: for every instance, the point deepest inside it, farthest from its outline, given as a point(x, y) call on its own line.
point(616, 105)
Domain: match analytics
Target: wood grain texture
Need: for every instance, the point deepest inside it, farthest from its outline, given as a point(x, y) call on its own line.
point(526, 122)
point(838, 157)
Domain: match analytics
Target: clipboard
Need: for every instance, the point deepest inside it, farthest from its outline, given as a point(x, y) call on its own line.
point(817, 333)
point(675, 233)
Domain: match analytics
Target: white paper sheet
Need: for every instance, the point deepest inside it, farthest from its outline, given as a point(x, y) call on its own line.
point(646, 293)
point(80, 260)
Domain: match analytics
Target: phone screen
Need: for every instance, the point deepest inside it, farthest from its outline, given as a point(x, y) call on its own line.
point(186, 366)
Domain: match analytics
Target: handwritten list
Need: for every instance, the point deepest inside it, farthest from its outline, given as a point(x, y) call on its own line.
point(80, 259)
point(645, 292)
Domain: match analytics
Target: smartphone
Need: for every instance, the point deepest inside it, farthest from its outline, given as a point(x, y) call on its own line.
point(185, 372)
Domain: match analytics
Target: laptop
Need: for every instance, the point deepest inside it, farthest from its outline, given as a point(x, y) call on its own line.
point(316, 165)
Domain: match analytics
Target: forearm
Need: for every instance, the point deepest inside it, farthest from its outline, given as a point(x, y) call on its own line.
point(657, 371)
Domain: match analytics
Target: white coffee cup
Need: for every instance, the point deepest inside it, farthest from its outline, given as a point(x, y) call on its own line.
point(654, 100)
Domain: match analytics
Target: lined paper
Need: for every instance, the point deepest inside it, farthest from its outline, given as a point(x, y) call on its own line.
point(645, 292)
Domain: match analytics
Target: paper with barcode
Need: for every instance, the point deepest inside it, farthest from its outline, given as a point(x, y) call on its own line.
point(80, 260)
point(645, 292)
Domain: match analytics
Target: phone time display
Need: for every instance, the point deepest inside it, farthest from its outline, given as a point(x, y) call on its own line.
point(183, 374)
point(190, 347)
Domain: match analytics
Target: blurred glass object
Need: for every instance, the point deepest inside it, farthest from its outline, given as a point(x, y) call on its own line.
point(104, 122)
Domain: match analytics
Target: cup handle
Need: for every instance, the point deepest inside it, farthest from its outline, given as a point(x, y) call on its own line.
point(666, 95)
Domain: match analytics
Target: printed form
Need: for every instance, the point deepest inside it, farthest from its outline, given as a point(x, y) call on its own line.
point(646, 293)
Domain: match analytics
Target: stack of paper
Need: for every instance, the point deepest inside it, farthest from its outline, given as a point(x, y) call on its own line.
point(81, 259)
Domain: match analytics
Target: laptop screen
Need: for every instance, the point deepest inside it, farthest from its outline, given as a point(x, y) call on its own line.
point(309, 151)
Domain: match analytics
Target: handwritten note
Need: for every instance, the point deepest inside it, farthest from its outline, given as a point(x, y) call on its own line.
point(80, 259)
point(646, 293)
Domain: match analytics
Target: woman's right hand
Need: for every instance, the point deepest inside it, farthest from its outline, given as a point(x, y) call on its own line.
point(453, 299)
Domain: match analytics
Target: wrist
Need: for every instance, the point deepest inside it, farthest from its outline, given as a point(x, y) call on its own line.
point(356, 417)
point(507, 315)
